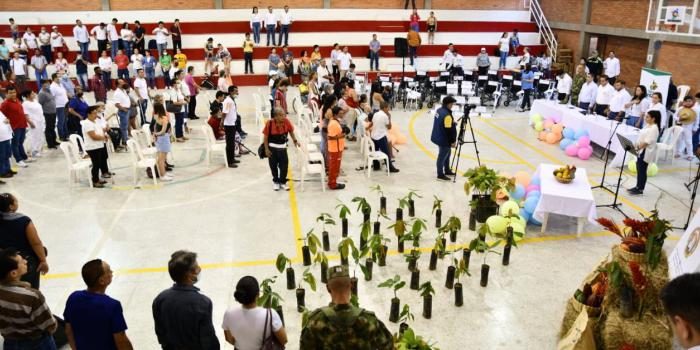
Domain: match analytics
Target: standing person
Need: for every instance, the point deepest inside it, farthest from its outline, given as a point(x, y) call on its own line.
point(564, 82)
point(285, 22)
point(136, 60)
point(577, 82)
point(361, 328)
point(617, 103)
point(58, 44)
point(657, 104)
point(588, 94)
point(414, 42)
point(19, 232)
point(526, 58)
point(178, 99)
point(222, 83)
point(45, 43)
point(483, 62)
point(414, 21)
point(273, 60)
point(335, 58)
point(149, 67)
point(612, 67)
point(545, 64)
point(604, 95)
point(685, 117)
point(304, 67)
point(93, 319)
point(5, 148)
point(94, 138)
point(105, 65)
point(4, 60)
point(288, 60)
point(528, 77)
point(127, 36)
point(123, 104)
point(276, 131)
point(161, 34)
point(379, 130)
point(194, 90)
point(344, 61)
point(680, 301)
point(176, 34)
point(431, 24)
point(165, 61)
point(209, 55)
point(514, 42)
point(646, 146)
point(139, 37)
point(161, 133)
point(35, 114)
point(31, 325)
point(246, 327)
point(182, 315)
point(595, 65)
point(48, 107)
point(270, 25)
point(280, 99)
point(374, 47)
point(122, 62)
point(100, 34)
point(97, 86)
point(81, 68)
point(503, 50)
point(255, 24)
point(19, 69)
point(141, 89)
point(444, 135)
point(113, 37)
point(248, 52)
point(14, 29)
point(223, 55)
point(230, 112)
point(335, 146)
point(39, 64)
point(637, 107)
point(696, 127)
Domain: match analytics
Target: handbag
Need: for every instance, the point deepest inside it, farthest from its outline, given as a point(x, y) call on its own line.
point(270, 342)
point(261, 148)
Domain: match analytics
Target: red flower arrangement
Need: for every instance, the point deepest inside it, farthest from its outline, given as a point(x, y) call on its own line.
point(639, 281)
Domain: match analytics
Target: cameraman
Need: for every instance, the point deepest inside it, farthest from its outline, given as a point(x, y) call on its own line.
point(444, 135)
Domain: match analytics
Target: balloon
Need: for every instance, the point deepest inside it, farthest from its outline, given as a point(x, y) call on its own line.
point(531, 204)
point(509, 208)
point(535, 181)
point(542, 135)
point(518, 193)
point(652, 170)
point(536, 117)
point(522, 178)
point(558, 128)
point(572, 150)
point(585, 152)
point(556, 118)
point(539, 126)
point(531, 188)
point(632, 167)
point(551, 138)
point(565, 143)
point(535, 194)
point(584, 141)
point(569, 133)
point(524, 215)
point(580, 133)
point(496, 224)
point(548, 124)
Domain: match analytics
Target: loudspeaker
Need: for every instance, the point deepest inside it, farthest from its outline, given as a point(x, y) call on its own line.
point(400, 47)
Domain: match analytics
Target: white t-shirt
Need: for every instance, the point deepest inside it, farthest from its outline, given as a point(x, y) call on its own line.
point(321, 72)
point(34, 111)
point(564, 84)
point(137, 61)
point(30, 38)
point(639, 109)
point(161, 35)
point(45, 38)
point(5, 129)
point(247, 326)
point(286, 18)
point(380, 122)
point(335, 54)
point(120, 97)
point(503, 44)
point(345, 59)
point(99, 33)
point(18, 65)
point(126, 34)
point(88, 143)
point(604, 94)
point(112, 32)
point(59, 94)
point(230, 111)
point(140, 84)
point(612, 67)
point(619, 100)
point(80, 34)
point(270, 19)
point(649, 134)
point(662, 109)
point(105, 63)
point(176, 95)
point(588, 92)
point(56, 40)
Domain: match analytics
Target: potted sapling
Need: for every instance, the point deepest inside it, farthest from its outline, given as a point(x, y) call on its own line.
point(268, 298)
point(368, 266)
point(347, 248)
point(452, 226)
point(357, 255)
point(311, 245)
point(510, 241)
point(325, 219)
point(363, 207)
point(343, 213)
point(382, 199)
point(281, 263)
point(344, 247)
point(437, 251)
point(405, 317)
point(437, 210)
point(399, 226)
point(460, 270)
point(427, 292)
point(395, 284)
point(321, 259)
point(414, 236)
point(411, 202)
point(407, 339)
point(308, 278)
point(377, 224)
point(378, 247)
point(484, 248)
point(482, 185)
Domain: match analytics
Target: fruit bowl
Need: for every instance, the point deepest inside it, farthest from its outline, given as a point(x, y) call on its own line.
point(565, 174)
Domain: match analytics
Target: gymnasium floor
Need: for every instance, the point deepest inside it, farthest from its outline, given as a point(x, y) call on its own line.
point(238, 225)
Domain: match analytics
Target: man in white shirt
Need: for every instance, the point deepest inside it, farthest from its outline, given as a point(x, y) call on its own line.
point(230, 112)
point(612, 67)
point(589, 90)
point(19, 68)
point(696, 126)
point(270, 25)
point(379, 127)
point(161, 34)
point(448, 58)
point(334, 60)
point(29, 39)
point(682, 305)
point(60, 96)
point(113, 37)
point(617, 103)
point(100, 34)
point(141, 88)
point(57, 41)
point(45, 43)
point(123, 104)
point(324, 74)
point(285, 22)
point(603, 96)
point(564, 82)
point(82, 38)
point(5, 147)
point(344, 60)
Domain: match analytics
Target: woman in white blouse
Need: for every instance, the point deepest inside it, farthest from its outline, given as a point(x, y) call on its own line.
point(60, 63)
point(255, 20)
point(136, 60)
point(127, 37)
point(658, 105)
point(94, 139)
point(646, 148)
point(638, 107)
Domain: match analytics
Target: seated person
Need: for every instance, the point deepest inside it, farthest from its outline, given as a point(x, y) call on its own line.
point(215, 115)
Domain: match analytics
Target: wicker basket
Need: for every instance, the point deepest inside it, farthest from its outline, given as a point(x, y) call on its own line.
point(629, 256)
point(578, 306)
point(564, 181)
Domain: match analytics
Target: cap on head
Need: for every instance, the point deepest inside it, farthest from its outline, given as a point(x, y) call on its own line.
point(447, 100)
point(339, 271)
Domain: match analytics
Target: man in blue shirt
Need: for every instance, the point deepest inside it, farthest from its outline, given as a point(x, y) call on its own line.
point(444, 135)
point(528, 77)
point(93, 319)
point(77, 111)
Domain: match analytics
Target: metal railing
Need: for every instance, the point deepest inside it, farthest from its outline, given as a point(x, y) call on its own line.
point(544, 28)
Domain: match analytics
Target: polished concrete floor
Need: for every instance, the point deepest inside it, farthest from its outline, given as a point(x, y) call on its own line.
point(237, 224)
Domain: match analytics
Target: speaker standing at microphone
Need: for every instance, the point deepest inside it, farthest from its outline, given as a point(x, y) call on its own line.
point(444, 135)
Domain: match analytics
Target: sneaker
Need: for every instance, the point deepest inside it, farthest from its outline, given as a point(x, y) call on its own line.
point(636, 192)
point(106, 176)
point(29, 160)
point(630, 190)
point(393, 170)
point(450, 173)
point(233, 165)
point(284, 186)
point(236, 161)
point(167, 178)
point(22, 164)
point(443, 177)
point(338, 187)
point(7, 175)
point(275, 186)
point(97, 185)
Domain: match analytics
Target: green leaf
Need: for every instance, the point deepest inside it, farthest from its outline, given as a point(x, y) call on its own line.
point(310, 280)
point(313, 242)
point(364, 270)
point(281, 262)
point(399, 285)
point(390, 282)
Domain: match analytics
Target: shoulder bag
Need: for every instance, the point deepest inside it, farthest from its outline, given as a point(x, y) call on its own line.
point(270, 342)
point(261, 148)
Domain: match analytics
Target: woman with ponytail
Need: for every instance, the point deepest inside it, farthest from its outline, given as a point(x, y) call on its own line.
point(646, 147)
point(18, 231)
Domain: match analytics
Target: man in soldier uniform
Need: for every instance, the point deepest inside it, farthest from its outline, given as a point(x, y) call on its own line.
point(444, 135)
point(342, 326)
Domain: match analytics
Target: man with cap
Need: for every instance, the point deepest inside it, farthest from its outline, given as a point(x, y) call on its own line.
point(482, 62)
point(444, 135)
point(341, 325)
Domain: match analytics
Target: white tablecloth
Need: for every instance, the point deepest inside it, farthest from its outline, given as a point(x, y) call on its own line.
point(599, 128)
point(572, 199)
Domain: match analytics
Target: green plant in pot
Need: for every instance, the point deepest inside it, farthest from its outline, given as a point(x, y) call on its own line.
point(308, 278)
point(437, 211)
point(426, 291)
point(451, 270)
point(363, 207)
point(409, 340)
point(321, 259)
point(405, 317)
point(268, 298)
point(344, 247)
point(482, 184)
point(311, 245)
point(399, 226)
point(347, 248)
point(378, 248)
point(460, 270)
point(484, 248)
point(382, 198)
point(395, 284)
point(326, 219)
point(452, 226)
point(281, 263)
point(414, 235)
point(411, 202)
point(438, 251)
point(343, 214)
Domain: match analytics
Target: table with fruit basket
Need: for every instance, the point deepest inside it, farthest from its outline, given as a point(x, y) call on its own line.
point(574, 198)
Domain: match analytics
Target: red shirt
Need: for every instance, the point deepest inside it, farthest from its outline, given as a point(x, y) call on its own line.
point(414, 19)
point(279, 96)
point(14, 111)
point(276, 129)
point(122, 61)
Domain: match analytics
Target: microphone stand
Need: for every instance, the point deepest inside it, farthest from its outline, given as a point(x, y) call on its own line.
point(607, 158)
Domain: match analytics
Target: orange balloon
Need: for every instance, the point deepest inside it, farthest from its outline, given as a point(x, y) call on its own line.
point(548, 124)
point(542, 136)
point(557, 128)
point(522, 178)
point(551, 138)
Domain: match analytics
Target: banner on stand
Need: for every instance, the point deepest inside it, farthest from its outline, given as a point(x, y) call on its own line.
point(655, 81)
point(685, 257)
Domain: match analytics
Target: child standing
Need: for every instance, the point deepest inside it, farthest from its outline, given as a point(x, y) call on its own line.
point(685, 117)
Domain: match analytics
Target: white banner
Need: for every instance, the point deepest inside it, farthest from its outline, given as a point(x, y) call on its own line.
point(655, 81)
point(685, 257)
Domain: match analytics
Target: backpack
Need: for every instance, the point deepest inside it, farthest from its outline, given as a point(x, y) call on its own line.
point(342, 324)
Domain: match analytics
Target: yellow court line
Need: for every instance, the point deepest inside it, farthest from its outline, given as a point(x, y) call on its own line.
point(296, 224)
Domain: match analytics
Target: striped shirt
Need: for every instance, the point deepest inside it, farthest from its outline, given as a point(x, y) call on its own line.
point(23, 312)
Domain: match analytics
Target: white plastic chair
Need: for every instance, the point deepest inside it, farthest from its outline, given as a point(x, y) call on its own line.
point(140, 162)
point(308, 168)
point(75, 166)
point(77, 143)
point(212, 145)
point(668, 142)
point(144, 141)
point(371, 155)
point(683, 90)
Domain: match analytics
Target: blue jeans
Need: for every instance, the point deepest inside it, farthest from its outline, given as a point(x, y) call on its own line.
point(61, 123)
point(127, 48)
point(284, 31)
point(18, 144)
point(124, 74)
point(161, 48)
point(46, 342)
point(373, 58)
point(179, 121)
point(502, 60)
point(40, 75)
point(383, 145)
point(150, 76)
point(115, 48)
point(83, 80)
point(415, 27)
point(270, 33)
point(256, 32)
point(632, 120)
point(613, 115)
point(46, 51)
point(107, 80)
point(84, 50)
point(443, 160)
point(124, 124)
point(142, 112)
point(5, 154)
point(412, 52)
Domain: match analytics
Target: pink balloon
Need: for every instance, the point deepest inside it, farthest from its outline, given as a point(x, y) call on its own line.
point(584, 141)
point(532, 188)
point(585, 153)
point(572, 150)
point(556, 118)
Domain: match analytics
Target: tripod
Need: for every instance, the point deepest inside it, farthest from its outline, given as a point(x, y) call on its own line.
point(628, 146)
point(694, 192)
point(463, 123)
point(607, 159)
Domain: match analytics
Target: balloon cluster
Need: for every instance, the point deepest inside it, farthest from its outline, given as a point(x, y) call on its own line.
point(576, 143)
point(521, 201)
point(550, 130)
point(652, 169)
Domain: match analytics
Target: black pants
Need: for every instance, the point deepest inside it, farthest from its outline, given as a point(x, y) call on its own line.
point(484, 70)
point(611, 80)
point(101, 46)
point(279, 163)
point(248, 57)
point(383, 146)
point(141, 45)
point(191, 106)
point(526, 99)
point(600, 109)
point(230, 131)
point(50, 131)
point(413, 4)
point(104, 169)
point(336, 73)
point(642, 171)
point(177, 44)
point(98, 162)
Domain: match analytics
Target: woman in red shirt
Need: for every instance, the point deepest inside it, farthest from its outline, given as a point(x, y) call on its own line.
point(414, 20)
point(353, 102)
point(276, 131)
point(281, 95)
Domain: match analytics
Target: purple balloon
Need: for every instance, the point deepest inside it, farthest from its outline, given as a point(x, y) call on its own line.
point(572, 150)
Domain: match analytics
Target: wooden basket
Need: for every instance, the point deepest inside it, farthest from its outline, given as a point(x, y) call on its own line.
point(629, 256)
point(578, 306)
